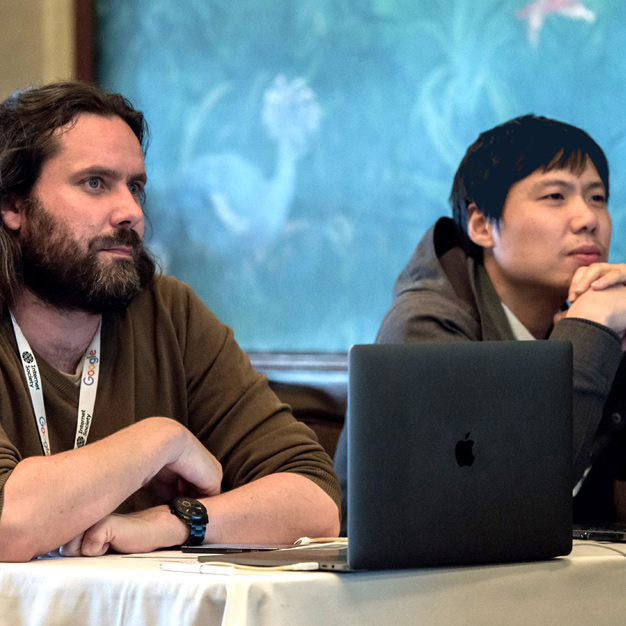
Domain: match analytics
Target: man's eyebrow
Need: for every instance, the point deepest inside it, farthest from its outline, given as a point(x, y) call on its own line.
point(548, 182)
point(595, 183)
point(108, 172)
point(566, 183)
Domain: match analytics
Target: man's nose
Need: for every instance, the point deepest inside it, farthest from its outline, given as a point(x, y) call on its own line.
point(127, 212)
point(584, 217)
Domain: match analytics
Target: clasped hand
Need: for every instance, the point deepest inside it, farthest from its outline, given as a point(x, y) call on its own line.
point(597, 276)
point(598, 293)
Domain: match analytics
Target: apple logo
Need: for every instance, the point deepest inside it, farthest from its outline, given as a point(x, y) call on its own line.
point(463, 451)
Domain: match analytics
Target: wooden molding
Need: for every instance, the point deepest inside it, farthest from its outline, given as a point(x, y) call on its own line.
point(84, 40)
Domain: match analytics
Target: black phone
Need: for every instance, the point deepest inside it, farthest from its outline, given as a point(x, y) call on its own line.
point(601, 532)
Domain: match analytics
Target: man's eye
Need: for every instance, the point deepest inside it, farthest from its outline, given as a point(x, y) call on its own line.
point(135, 189)
point(554, 196)
point(94, 183)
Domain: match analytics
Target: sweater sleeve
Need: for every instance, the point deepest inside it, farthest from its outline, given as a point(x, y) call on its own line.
point(597, 355)
point(233, 411)
point(9, 458)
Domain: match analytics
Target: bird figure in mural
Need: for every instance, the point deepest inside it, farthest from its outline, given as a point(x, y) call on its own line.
point(235, 206)
point(537, 11)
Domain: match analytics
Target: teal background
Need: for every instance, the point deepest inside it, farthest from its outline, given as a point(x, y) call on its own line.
point(300, 148)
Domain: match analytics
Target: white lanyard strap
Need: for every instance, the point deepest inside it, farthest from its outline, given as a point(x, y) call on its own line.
point(88, 388)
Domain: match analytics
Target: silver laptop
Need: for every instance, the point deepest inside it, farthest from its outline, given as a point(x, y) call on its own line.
point(459, 453)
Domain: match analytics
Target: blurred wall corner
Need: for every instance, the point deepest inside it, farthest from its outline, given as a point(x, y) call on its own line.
point(38, 42)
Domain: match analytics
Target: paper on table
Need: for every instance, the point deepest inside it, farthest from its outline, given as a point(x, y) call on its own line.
point(230, 569)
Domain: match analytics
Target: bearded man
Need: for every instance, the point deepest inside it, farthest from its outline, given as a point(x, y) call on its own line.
point(129, 417)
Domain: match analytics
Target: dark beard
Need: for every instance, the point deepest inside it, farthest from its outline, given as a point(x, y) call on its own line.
point(58, 271)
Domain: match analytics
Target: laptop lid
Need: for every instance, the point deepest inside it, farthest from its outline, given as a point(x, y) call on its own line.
point(459, 453)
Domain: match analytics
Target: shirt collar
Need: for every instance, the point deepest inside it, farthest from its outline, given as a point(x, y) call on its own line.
point(520, 332)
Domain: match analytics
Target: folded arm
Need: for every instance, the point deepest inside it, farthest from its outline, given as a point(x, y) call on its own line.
point(50, 500)
point(277, 508)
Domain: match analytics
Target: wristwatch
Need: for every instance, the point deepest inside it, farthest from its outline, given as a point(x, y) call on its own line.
point(194, 514)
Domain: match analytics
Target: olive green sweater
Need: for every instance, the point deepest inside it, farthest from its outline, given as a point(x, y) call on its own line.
point(166, 355)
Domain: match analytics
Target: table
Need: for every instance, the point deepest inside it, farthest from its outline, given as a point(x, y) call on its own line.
point(586, 587)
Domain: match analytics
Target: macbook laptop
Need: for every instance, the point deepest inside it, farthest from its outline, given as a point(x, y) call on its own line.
point(459, 453)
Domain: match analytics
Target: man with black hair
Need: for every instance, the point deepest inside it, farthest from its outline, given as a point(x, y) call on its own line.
point(129, 417)
point(525, 257)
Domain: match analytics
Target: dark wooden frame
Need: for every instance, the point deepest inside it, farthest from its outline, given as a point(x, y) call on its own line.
point(84, 40)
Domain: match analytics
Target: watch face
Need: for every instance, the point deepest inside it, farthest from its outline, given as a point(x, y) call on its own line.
point(191, 509)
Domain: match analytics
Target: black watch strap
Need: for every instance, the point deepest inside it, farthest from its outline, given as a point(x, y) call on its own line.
point(194, 514)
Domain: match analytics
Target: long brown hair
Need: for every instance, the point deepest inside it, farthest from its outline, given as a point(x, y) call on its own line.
point(28, 121)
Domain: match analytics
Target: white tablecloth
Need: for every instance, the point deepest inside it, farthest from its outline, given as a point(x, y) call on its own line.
point(588, 587)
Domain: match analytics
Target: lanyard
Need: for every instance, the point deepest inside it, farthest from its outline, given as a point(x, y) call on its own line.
point(88, 388)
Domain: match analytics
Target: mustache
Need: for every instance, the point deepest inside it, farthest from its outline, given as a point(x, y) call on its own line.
point(118, 238)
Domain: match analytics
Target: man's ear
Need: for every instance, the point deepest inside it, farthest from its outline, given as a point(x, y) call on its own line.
point(479, 228)
point(12, 211)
